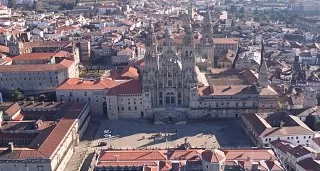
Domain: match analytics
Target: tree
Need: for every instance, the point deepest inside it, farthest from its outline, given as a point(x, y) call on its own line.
point(233, 9)
point(16, 95)
point(42, 97)
point(11, 3)
point(30, 98)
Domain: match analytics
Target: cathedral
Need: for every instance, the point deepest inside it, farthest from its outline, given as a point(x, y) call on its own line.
point(171, 86)
point(174, 87)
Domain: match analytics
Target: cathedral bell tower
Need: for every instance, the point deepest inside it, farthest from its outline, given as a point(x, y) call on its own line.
point(14, 46)
point(263, 71)
point(206, 41)
point(188, 63)
point(148, 74)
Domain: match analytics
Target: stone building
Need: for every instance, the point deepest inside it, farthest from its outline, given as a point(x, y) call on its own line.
point(37, 72)
point(189, 160)
point(264, 128)
point(40, 136)
point(171, 87)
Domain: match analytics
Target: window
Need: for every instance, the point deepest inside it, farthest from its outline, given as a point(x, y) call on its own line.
point(129, 108)
point(170, 98)
point(169, 83)
point(85, 93)
point(135, 108)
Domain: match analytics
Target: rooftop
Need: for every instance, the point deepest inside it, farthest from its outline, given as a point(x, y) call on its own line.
point(293, 126)
point(41, 136)
point(161, 159)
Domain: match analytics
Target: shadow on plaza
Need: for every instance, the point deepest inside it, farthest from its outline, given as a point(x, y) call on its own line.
point(228, 132)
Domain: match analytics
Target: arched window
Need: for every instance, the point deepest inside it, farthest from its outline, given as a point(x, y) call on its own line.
point(170, 98)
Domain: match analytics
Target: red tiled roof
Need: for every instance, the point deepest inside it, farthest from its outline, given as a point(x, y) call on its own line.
point(214, 156)
point(3, 30)
point(70, 114)
point(126, 87)
point(12, 109)
point(163, 159)
point(33, 56)
point(21, 154)
point(80, 84)
point(132, 155)
point(127, 163)
point(225, 40)
point(4, 49)
point(227, 90)
point(192, 154)
point(128, 72)
point(46, 44)
point(309, 164)
point(317, 140)
point(18, 117)
point(64, 64)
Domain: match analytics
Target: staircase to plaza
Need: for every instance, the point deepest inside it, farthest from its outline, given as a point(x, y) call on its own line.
point(82, 151)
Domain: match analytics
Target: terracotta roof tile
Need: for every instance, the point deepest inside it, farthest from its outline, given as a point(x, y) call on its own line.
point(126, 87)
point(309, 164)
point(225, 40)
point(33, 56)
point(64, 64)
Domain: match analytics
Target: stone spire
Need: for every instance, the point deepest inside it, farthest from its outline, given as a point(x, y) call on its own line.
point(168, 41)
point(263, 70)
point(207, 28)
point(188, 38)
point(151, 39)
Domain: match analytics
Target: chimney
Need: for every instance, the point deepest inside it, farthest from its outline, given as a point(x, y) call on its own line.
point(175, 165)
point(255, 166)
point(281, 124)
point(1, 99)
point(11, 147)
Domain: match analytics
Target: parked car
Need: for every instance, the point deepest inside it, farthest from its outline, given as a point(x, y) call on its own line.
point(102, 144)
point(107, 131)
point(107, 135)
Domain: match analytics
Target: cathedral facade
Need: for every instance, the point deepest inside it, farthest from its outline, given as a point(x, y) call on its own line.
point(174, 88)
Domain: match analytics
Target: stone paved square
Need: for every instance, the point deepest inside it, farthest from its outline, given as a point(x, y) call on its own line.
point(129, 134)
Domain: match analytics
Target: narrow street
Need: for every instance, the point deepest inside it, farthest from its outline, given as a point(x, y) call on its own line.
point(78, 159)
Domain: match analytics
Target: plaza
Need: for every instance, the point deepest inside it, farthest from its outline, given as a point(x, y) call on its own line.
point(143, 134)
